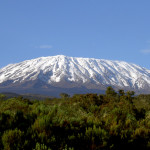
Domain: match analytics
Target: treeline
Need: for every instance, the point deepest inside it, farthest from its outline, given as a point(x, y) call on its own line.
point(115, 120)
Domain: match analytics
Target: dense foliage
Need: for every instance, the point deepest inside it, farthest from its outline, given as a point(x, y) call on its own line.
point(115, 120)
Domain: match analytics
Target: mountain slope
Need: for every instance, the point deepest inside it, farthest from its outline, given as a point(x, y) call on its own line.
point(61, 73)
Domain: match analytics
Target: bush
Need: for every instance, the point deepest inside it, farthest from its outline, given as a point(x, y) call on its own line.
point(13, 140)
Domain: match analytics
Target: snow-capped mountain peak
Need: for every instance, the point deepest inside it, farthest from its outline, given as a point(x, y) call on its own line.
point(63, 71)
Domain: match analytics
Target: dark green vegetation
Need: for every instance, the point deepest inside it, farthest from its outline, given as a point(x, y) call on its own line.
point(25, 96)
point(116, 121)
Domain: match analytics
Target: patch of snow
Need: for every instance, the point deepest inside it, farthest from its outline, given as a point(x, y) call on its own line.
point(55, 68)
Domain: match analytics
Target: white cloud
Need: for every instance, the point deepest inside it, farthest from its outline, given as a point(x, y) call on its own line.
point(44, 46)
point(145, 51)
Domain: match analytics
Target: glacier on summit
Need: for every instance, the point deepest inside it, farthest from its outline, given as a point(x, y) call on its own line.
point(72, 72)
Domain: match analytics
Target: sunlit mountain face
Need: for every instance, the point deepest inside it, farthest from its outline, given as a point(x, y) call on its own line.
point(57, 74)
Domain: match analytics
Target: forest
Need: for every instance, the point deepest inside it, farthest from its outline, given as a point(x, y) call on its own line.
point(116, 120)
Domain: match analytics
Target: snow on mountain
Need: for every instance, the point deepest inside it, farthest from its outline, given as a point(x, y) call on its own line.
point(53, 70)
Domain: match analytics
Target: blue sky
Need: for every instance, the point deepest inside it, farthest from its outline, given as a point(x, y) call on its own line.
point(105, 29)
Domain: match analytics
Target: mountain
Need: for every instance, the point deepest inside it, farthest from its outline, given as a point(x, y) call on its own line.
point(56, 74)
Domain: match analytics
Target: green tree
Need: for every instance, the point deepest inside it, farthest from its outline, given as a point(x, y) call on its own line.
point(130, 93)
point(110, 91)
point(121, 92)
point(12, 140)
point(64, 95)
point(41, 147)
point(2, 97)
